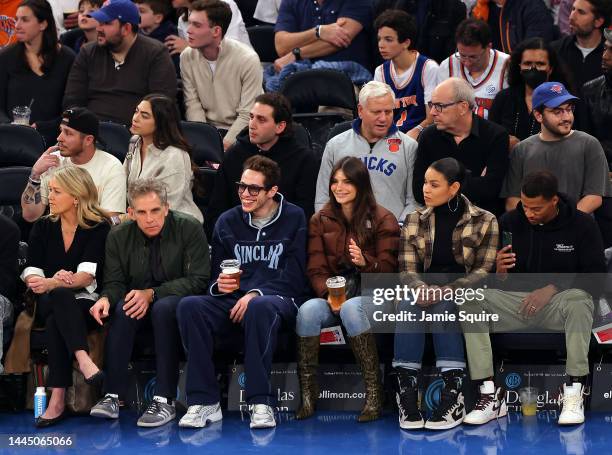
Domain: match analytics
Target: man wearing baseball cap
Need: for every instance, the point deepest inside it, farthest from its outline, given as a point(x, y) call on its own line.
point(597, 101)
point(574, 157)
point(76, 146)
point(111, 76)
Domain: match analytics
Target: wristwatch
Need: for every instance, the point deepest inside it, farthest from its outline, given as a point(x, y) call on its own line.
point(297, 53)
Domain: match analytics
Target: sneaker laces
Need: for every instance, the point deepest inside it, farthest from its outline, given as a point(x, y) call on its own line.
point(571, 402)
point(194, 409)
point(108, 400)
point(483, 401)
point(154, 407)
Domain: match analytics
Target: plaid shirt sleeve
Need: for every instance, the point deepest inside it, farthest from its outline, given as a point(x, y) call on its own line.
point(486, 252)
point(409, 261)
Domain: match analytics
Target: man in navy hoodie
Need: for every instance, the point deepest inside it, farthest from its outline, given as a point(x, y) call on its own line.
point(267, 235)
point(554, 252)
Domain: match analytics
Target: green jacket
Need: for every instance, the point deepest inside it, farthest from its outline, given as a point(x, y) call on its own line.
point(184, 253)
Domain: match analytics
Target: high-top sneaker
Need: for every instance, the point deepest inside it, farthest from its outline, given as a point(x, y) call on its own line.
point(406, 395)
point(451, 409)
point(572, 404)
point(491, 404)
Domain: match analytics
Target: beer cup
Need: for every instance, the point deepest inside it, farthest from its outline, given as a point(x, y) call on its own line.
point(336, 288)
point(21, 115)
point(231, 267)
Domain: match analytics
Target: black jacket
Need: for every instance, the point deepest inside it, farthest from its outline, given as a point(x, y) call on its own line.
point(298, 175)
point(571, 243)
point(9, 247)
point(582, 69)
point(596, 119)
point(510, 111)
point(517, 21)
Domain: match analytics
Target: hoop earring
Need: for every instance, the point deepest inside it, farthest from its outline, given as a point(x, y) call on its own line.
point(456, 205)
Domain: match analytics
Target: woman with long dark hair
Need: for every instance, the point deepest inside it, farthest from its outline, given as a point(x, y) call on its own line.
point(532, 62)
point(65, 261)
point(445, 248)
point(159, 150)
point(350, 235)
point(34, 70)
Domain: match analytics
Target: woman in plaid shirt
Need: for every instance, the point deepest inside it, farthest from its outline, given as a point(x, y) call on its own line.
point(445, 247)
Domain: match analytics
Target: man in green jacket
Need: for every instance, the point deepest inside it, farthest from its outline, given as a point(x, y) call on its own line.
point(151, 262)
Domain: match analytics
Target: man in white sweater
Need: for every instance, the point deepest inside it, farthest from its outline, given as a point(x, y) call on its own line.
point(221, 77)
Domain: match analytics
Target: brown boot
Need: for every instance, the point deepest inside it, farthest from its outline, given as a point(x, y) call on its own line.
point(308, 361)
point(364, 350)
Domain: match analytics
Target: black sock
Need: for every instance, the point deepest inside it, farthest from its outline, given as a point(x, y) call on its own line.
point(581, 379)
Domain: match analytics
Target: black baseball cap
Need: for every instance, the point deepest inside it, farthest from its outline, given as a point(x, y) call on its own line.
point(82, 120)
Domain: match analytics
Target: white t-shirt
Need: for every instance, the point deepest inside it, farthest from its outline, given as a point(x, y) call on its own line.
point(429, 78)
point(585, 50)
point(267, 11)
point(107, 174)
point(486, 87)
point(236, 29)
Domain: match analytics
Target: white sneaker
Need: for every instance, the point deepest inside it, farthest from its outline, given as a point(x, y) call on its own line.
point(491, 404)
point(572, 404)
point(262, 416)
point(198, 416)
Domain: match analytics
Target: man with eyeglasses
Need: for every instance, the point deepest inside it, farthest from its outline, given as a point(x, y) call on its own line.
point(480, 145)
point(267, 235)
point(574, 157)
point(475, 61)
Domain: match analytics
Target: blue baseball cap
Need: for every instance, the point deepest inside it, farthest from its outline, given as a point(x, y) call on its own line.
point(124, 10)
point(551, 95)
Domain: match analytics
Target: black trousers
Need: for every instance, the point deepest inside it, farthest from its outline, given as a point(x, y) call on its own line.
point(120, 343)
point(67, 323)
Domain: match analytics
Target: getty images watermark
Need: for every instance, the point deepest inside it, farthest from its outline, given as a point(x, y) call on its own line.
point(426, 296)
point(483, 303)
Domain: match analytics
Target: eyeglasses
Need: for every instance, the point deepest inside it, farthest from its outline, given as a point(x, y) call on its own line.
point(470, 58)
point(541, 66)
point(253, 189)
point(439, 107)
point(559, 111)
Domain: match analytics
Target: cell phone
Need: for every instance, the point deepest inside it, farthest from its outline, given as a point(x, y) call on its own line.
point(507, 239)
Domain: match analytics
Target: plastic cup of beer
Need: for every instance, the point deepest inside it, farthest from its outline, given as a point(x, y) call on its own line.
point(21, 115)
point(231, 267)
point(529, 400)
point(336, 288)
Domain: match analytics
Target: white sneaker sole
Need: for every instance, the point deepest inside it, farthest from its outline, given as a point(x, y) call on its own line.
point(262, 425)
point(502, 413)
point(102, 414)
point(443, 426)
point(570, 422)
point(412, 425)
point(156, 424)
point(216, 417)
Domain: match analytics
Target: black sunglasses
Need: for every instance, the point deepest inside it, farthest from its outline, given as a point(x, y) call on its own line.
point(253, 189)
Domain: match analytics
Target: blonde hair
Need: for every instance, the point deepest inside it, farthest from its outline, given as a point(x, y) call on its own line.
point(78, 183)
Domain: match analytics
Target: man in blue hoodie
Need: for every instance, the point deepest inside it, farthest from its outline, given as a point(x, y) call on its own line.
point(267, 235)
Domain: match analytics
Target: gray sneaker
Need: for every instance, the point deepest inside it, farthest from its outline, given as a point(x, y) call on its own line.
point(198, 416)
point(158, 413)
point(107, 408)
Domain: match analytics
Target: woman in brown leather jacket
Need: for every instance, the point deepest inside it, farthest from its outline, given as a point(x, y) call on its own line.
point(350, 235)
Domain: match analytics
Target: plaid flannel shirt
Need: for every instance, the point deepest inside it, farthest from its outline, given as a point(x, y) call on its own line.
point(475, 241)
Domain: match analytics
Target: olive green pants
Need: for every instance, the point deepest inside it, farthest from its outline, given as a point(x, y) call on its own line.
point(570, 311)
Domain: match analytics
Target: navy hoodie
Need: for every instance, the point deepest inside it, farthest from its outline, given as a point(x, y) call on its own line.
point(273, 258)
point(570, 243)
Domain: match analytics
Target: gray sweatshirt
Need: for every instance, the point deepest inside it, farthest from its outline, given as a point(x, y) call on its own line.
point(390, 163)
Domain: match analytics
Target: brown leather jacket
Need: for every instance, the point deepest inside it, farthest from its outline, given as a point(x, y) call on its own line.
point(328, 247)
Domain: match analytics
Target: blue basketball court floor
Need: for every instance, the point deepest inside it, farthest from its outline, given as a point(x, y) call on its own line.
point(327, 432)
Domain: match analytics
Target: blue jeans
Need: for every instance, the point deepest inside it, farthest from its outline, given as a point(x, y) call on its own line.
point(315, 314)
point(409, 344)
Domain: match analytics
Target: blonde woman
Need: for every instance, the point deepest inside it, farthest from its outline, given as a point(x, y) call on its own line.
point(65, 256)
